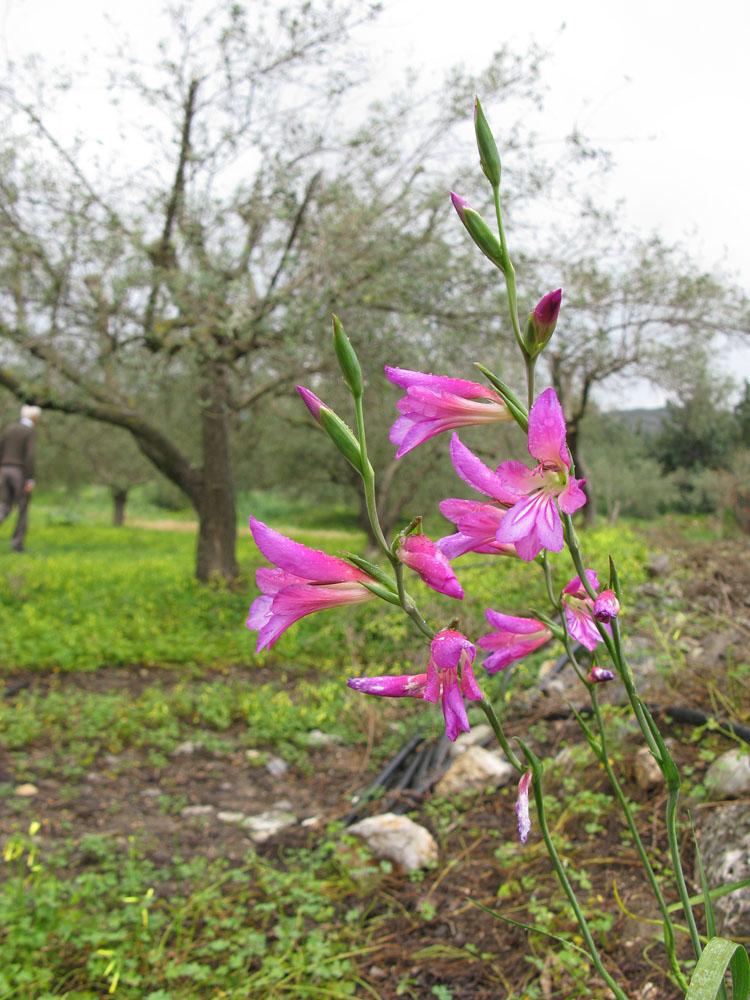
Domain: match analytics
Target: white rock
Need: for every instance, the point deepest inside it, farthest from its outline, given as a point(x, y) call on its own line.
point(475, 769)
point(27, 790)
point(317, 738)
point(477, 734)
point(230, 817)
point(197, 810)
point(276, 766)
point(729, 775)
point(397, 838)
point(254, 755)
point(647, 773)
point(151, 793)
point(283, 804)
point(310, 821)
point(266, 824)
point(186, 749)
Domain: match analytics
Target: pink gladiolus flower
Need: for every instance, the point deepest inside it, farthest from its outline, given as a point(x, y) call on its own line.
point(449, 676)
point(302, 581)
point(512, 639)
point(600, 675)
point(437, 403)
point(579, 611)
point(606, 606)
point(522, 807)
point(534, 522)
point(421, 554)
point(477, 525)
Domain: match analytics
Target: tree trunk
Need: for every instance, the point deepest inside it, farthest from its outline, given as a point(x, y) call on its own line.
point(119, 499)
point(217, 517)
point(574, 444)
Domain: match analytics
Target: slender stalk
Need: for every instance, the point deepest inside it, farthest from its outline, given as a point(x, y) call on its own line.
point(653, 738)
point(562, 876)
point(502, 739)
point(530, 374)
point(509, 273)
point(669, 937)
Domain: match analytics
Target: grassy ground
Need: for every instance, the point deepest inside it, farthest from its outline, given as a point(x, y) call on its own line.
point(114, 660)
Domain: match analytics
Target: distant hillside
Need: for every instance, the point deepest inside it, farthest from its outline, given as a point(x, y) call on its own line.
point(644, 420)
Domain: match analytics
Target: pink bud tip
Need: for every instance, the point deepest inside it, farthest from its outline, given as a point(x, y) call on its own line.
point(548, 308)
point(311, 401)
point(606, 607)
point(599, 675)
point(459, 204)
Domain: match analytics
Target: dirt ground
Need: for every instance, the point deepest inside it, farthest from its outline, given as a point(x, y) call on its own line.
point(125, 795)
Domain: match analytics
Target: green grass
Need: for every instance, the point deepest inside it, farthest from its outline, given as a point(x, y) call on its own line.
point(112, 923)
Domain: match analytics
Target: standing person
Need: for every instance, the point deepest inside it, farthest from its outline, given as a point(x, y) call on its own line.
point(17, 445)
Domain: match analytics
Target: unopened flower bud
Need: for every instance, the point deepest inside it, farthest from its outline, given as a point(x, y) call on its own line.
point(311, 401)
point(542, 322)
point(334, 426)
point(479, 231)
point(347, 359)
point(489, 158)
point(599, 675)
point(342, 437)
point(606, 606)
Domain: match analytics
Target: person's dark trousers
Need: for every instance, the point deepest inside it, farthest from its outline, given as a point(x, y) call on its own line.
point(12, 493)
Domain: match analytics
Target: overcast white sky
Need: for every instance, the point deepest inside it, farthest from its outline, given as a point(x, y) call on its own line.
point(663, 84)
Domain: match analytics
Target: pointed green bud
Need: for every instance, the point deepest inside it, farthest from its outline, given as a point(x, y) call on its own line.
point(347, 359)
point(541, 323)
point(489, 158)
point(341, 436)
point(479, 231)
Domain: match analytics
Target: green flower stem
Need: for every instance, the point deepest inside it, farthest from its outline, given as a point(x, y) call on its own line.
point(509, 273)
point(669, 937)
point(554, 601)
point(651, 734)
point(530, 374)
point(368, 481)
point(673, 797)
point(502, 739)
point(557, 864)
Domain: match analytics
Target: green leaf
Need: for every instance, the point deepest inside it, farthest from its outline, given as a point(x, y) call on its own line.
point(531, 928)
point(719, 955)
point(717, 893)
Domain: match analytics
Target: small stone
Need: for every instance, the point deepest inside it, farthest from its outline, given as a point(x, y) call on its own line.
point(93, 777)
point(265, 825)
point(728, 777)
point(151, 793)
point(186, 749)
point(399, 839)
point(226, 786)
point(276, 766)
point(198, 810)
point(475, 769)
point(376, 972)
point(476, 735)
point(317, 738)
point(27, 790)
point(658, 564)
point(230, 817)
point(647, 773)
point(283, 804)
point(649, 991)
point(254, 755)
point(310, 821)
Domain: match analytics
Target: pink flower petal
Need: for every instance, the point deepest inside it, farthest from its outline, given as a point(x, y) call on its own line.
point(575, 588)
point(391, 686)
point(514, 624)
point(477, 475)
point(518, 480)
point(310, 564)
point(439, 383)
point(454, 712)
point(572, 497)
point(522, 808)
point(420, 553)
point(581, 627)
point(547, 431)
point(449, 648)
